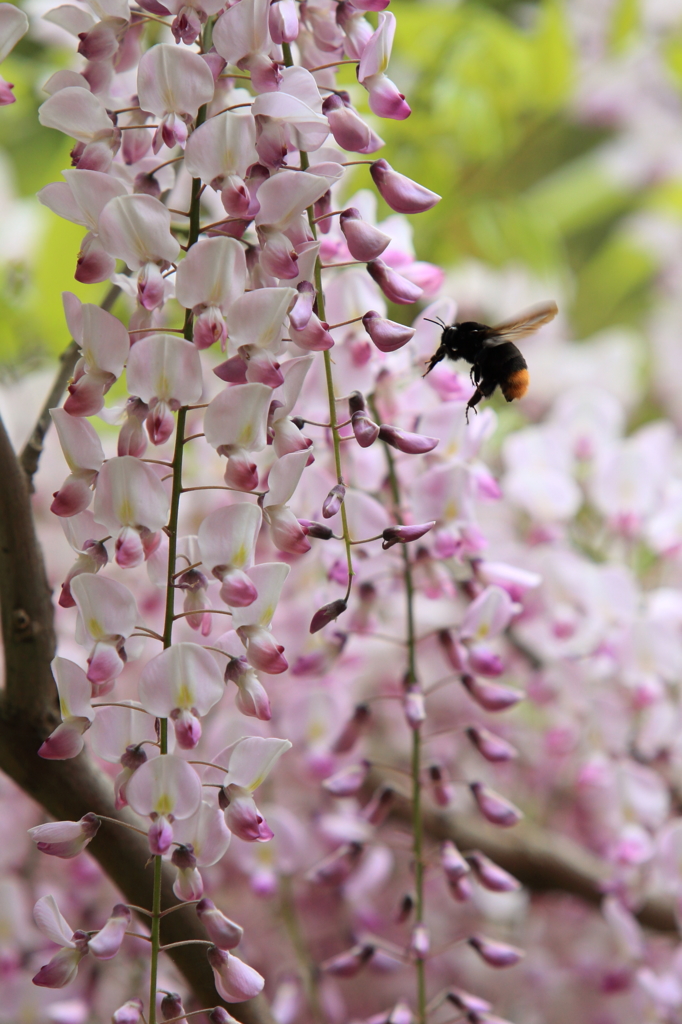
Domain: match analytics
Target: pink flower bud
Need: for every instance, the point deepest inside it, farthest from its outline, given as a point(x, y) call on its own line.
point(452, 862)
point(237, 589)
point(395, 287)
point(387, 335)
point(317, 530)
point(413, 706)
point(410, 444)
point(491, 696)
point(365, 430)
point(129, 1013)
point(225, 934)
point(462, 1000)
point(352, 730)
point(334, 500)
point(440, 789)
point(219, 1015)
point(338, 867)
point(328, 613)
point(243, 817)
point(65, 839)
point(171, 1004)
point(107, 942)
point(420, 942)
point(492, 747)
point(490, 875)
point(494, 807)
point(240, 472)
point(496, 954)
point(302, 311)
point(404, 534)
point(349, 963)
point(283, 21)
point(364, 241)
point(347, 127)
point(348, 781)
point(234, 979)
point(314, 337)
point(376, 811)
point(485, 662)
point(401, 193)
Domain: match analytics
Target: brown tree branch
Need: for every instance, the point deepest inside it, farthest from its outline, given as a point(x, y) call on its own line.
point(33, 449)
point(28, 713)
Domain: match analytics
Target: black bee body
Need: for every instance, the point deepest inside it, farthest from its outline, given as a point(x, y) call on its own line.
point(495, 360)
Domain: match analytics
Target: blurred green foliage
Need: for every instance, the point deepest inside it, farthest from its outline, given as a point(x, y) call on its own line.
point(491, 87)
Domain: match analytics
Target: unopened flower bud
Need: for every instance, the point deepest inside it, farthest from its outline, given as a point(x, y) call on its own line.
point(405, 909)
point(349, 963)
point(401, 193)
point(404, 534)
point(496, 954)
point(387, 335)
point(133, 757)
point(492, 747)
point(129, 1013)
point(491, 696)
point(219, 1015)
point(366, 431)
point(485, 662)
point(410, 444)
point(146, 185)
point(376, 811)
point(356, 402)
point(234, 979)
point(317, 530)
point(328, 613)
point(338, 867)
point(348, 781)
point(441, 790)
point(462, 1000)
point(413, 706)
point(395, 287)
point(350, 733)
point(223, 932)
point(400, 1014)
point(171, 1006)
point(491, 875)
point(334, 500)
point(183, 857)
point(420, 942)
point(364, 241)
point(453, 863)
point(494, 807)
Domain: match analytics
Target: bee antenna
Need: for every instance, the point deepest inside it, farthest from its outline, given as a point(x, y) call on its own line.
point(438, 322)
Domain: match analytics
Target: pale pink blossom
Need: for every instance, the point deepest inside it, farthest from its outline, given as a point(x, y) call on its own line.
point(223, 932)
point(164, 788)
point(209, 280)
point(136, 229)
point(13, 25)
point(252, 622)
point(104, 344)
point(165, 372)
point(86, 538)
point(220, 152)
point(107, 616)
point(384, 98)
point(251, 761)
point(132, 502)
point(63, 966)
point(77, 713)
point(173, 83)
point(234, 980)
point(206, 832)
point(283, 480)
point(289, 118)
point(83, 452)
point(227, 541)
point(235, 423)
point(107, 942)
point(65, 839)
point(182, 683)
point(242, 37)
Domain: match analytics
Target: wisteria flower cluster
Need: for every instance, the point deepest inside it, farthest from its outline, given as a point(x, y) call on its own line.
point(210, 151)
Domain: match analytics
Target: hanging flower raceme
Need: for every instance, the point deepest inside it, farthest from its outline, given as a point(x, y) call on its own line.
point(75, 696)
point(384, 98)
point(132, 502)
point(227, 541)
point(164, 789)
point(165, 372)
point(136, 229)
point(252, 623)
point(250, 762)
point(107, 617)
point(209, 280)
point(235, 424)
point(173, 83)
point(104, 345)
point(182, 683)
point(63, 966)
point(84, 454)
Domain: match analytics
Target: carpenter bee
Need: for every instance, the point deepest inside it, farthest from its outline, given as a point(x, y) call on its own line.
point(495, 359)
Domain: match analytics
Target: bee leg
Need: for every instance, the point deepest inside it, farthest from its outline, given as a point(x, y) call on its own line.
point(438, 355)
point(473, 402)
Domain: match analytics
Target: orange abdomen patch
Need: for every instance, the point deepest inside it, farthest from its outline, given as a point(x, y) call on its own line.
point(516, 385)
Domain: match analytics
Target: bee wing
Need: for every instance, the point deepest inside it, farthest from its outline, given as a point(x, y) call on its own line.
point(525, 323)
